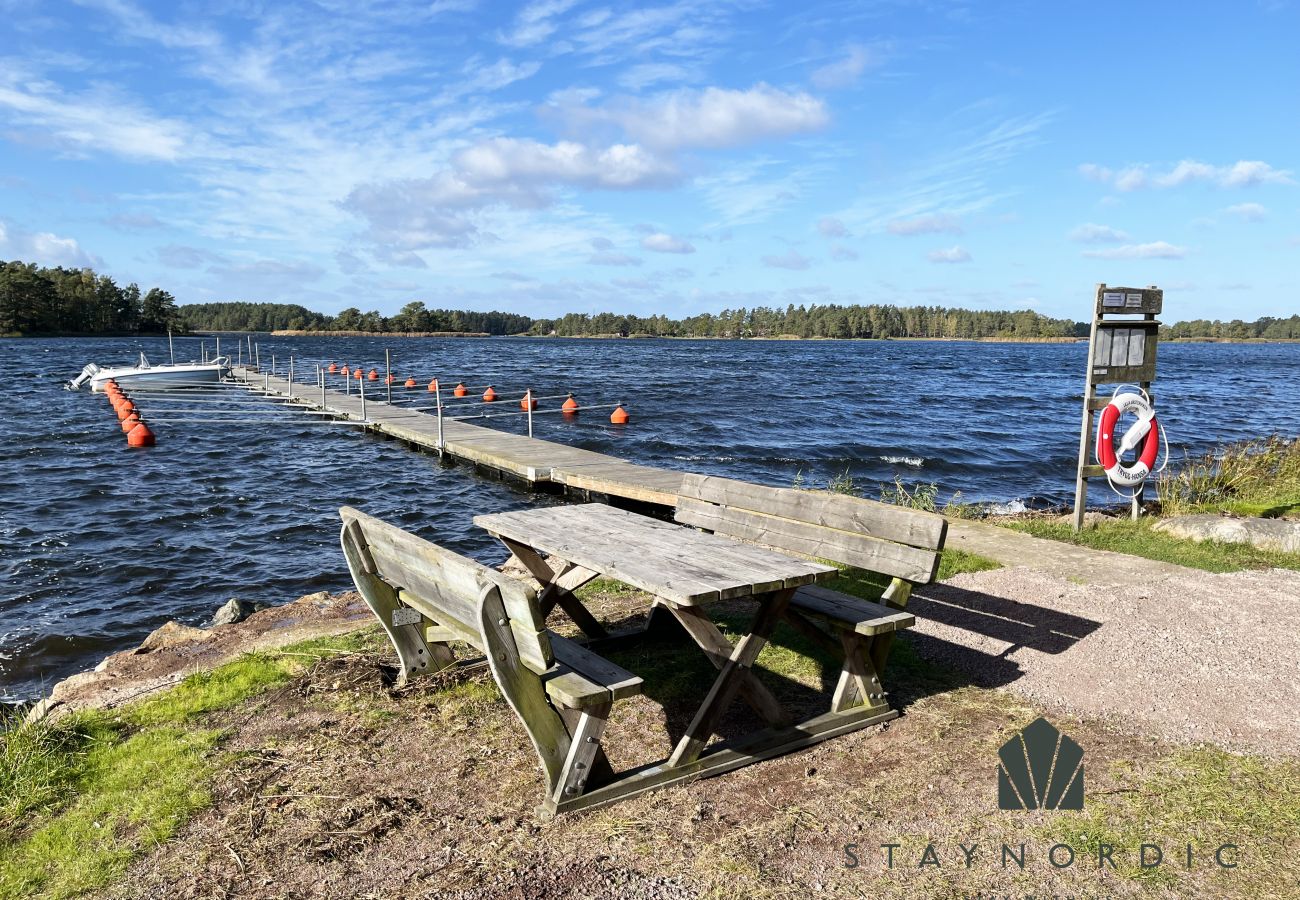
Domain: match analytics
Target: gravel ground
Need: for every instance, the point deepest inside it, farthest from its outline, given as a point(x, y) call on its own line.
point(1198, 657)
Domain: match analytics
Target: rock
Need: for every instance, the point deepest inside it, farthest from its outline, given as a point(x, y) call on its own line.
point(1267, 534)
point(169, 635)
point(235, 610)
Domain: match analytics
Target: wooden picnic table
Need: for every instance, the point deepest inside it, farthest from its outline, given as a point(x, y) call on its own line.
point(682, 569)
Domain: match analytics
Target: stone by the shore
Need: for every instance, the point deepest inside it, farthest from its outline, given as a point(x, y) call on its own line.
point(1267, 534)
point(234, 610)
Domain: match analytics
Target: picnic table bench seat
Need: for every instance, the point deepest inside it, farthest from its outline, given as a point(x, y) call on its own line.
point(426, 596)
point(901, 544)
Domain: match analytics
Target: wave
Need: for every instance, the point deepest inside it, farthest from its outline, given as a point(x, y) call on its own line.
point(914, 461)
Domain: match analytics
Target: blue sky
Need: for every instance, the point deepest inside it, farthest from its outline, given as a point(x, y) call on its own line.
point(581, 156)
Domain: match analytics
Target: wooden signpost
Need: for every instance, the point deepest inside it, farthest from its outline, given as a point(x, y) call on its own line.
point(1121, 350)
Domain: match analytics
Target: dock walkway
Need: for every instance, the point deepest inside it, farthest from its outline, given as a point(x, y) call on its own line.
point(531, 459)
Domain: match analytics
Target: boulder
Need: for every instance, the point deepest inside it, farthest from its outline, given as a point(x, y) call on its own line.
point(170, 635)
point(1267, 534)
point(234, 611)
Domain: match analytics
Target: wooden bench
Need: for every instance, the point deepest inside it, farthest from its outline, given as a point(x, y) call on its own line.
point(900, 543)
point(426, 596)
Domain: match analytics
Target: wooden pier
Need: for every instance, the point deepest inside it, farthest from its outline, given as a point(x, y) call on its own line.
point(529, 459)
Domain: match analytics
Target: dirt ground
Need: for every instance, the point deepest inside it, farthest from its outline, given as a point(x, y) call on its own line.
point(338, 786)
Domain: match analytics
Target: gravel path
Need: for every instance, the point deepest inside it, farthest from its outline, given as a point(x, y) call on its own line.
point(1192, 657)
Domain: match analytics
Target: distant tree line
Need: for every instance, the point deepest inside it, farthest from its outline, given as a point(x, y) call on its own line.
point(35, 300)
point(1267, 328)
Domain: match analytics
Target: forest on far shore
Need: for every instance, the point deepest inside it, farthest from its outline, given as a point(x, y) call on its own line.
point(35, 300)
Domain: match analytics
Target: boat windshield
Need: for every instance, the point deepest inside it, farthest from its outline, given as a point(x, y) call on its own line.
point(144, 363)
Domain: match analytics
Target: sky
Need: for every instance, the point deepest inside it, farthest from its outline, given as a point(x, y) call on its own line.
point(580, 156)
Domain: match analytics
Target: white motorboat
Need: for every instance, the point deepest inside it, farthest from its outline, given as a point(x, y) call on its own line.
point(175, 375)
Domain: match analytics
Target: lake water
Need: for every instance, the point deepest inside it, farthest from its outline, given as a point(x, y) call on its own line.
point(101, 544)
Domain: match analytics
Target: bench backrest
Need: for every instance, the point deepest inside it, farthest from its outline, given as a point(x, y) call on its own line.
point(446, 587)
point(902, 543)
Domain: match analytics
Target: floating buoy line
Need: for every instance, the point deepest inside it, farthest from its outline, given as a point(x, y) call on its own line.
point(238, 399)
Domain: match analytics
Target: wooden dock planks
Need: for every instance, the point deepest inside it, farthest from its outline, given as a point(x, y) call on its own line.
point(530, 459)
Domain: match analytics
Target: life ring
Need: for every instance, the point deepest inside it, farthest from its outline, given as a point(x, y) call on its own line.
point(1145, 426)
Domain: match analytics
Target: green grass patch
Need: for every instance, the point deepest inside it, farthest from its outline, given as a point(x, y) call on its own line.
point(83, 795)
point(1203, 796)
point(1257, 478)
point(1140, 539)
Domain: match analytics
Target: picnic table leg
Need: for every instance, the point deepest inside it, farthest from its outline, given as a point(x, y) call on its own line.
point(859, 684)
point(557, 589)
point(586, 760)
point(415, 654)
point(729, 679)
point(719, 650)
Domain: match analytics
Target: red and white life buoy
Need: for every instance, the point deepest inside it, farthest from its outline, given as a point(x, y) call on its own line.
point(1108, 455)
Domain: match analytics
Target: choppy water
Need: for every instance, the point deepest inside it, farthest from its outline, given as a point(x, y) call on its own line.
point(100, 544)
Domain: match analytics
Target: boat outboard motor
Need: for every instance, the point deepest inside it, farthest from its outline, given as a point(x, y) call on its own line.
point(87, 373)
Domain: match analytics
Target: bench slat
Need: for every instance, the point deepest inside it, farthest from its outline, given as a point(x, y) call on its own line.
point(866, 617)
point(619, 682)
point(818, 541)
point(853, 514)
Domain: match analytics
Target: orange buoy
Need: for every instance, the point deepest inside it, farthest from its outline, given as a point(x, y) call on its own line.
point(410, 381)
point(489, 395)
point(132, 419)
point(373, 376)
point(570, 405)
point(358, 373)
point(461, 390)
point(124, 409)
point(334, 367)
point(433, 386)
point(528, 402)
point(140, 436)
point(619, 416)
point(389, 378)
point(346, 371)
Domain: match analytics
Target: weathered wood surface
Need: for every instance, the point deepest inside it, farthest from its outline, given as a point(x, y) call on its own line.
point(855, 515)
point(531, 459)
point(862, 616)
point(811, 539)
point(393, 568)
point(676, 564)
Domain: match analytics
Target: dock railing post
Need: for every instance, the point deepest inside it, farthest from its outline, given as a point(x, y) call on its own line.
point(257, 356)
point(171, 350)
point(291, 379)
point(203, 351)
point(388, 374)
point(437, 401)
point(361, 383)
point(239, 344)
point(528, 402)
point(218, 347)
point(320, 375)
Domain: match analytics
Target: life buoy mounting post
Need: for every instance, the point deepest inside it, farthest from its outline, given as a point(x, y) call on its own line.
point(1121, 350)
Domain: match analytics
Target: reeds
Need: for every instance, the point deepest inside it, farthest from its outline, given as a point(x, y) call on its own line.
point(1256, 477)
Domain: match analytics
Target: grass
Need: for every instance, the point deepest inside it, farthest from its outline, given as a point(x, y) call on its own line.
point(83, 795)
point(1252, 478)
point(1201, 796)
point(1141, 539)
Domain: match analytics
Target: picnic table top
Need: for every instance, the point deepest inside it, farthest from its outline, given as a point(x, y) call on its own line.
point(672, 562)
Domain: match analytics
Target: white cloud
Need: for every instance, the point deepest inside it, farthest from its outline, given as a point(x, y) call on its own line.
point(831, 227)
point(711, 118)
point(510, 160)
point(133, 221)
point(179, 256)
point(43, 247)
point(1248, 212)
point(1153, 250)
point(844, 72)
point(660, 242)
point(955, 254)
point(935, 223)
point(790, 260)
point(604, 254)
point(535, 23)
point(1242, 173)
point(1097, 234)
point(840, 253)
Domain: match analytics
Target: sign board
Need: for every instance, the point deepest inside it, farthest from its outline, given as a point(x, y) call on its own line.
point(1124, 351)
point(1122, 301)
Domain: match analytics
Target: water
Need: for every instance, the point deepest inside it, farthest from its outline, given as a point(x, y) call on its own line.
point(101, 544)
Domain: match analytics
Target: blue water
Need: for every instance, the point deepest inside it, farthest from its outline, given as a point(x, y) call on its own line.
point(101, 544)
